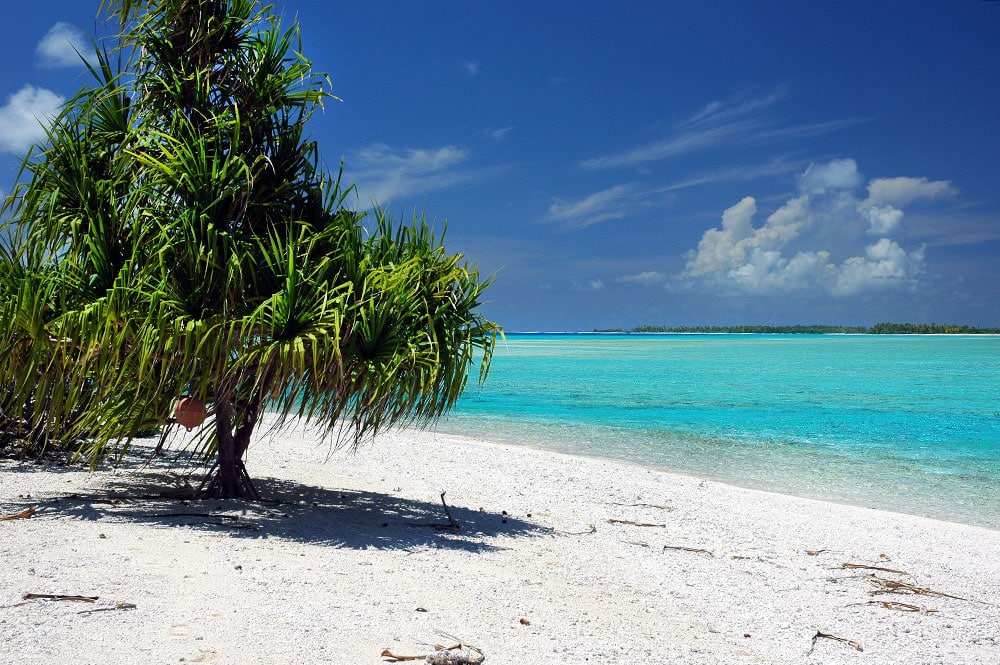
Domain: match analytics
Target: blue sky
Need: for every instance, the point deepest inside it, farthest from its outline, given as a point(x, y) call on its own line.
point(671, 163)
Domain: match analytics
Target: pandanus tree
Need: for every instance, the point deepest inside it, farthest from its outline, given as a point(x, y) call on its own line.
point(177, 234)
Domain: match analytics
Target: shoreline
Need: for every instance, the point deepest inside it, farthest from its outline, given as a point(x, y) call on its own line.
point(604, 561)
point(822, 492)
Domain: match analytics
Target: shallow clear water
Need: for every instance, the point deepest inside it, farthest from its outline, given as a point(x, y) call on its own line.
point(907, 423)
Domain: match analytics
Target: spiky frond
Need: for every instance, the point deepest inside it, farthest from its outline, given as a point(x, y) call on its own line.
point(176, 234)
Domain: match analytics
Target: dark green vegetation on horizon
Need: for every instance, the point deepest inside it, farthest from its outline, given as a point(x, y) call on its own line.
point(177, 234)
point(877, 329)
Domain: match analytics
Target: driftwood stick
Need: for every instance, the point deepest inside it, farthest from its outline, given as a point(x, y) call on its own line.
point(878, 568)
point(896, 605)
point(631, 523)
point(586, 532)
point(451, 520)
point(118, 606)
point(894, 586)
point(395, 658)
point(696, 550)
point(56, 596)
point(827, 636)
point(24, 514)
point(641, 505)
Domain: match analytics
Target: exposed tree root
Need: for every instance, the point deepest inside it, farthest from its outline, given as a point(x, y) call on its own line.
point(237, 485)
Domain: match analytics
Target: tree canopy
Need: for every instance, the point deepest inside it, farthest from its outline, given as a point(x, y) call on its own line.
point(178, 234)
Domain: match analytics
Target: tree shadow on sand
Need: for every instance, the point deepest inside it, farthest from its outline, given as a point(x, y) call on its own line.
point(296, 512)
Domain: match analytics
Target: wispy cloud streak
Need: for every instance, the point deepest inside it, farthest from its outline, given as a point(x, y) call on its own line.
point(383, 174)
point(593, 209)
point(739, 122)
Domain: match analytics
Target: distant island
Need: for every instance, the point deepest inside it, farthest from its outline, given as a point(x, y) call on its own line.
point(877, 329)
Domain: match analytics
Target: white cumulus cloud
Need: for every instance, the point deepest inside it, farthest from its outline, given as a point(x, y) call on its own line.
point(884, 263)
point(24, 118)
point(815, 241)
point(837, 174)
point(738, 243)
point(882, 219)
point(902, 191)
point(62, 46)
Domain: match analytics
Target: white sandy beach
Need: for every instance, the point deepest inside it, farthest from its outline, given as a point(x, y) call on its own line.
point(558, 559)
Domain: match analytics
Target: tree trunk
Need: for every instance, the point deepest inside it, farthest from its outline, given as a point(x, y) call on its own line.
point(229, 478)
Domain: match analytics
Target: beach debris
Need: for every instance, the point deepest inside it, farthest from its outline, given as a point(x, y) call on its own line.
point(641, 505)
point(452, 524)
point(227, 520)
point(894, 586)
point(586, 532)
point(878, 568)
point(459, 654)
point(456, 656)
point(396, 658)
point(681, 548)
point(631, 523)
point(525, 622)
point(24, 514)
point(827, 636)
point(57, 596)
point(902, 607)
point(120, 605)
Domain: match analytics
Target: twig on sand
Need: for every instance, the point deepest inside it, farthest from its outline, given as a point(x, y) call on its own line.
point(396, 658)
point(895, 605)
point(452, 525)
point(631, 523)
point(120, 605)
point(24, 514)
point(56, 596)
point(641, 505)
point(451, 520)
point(226, 520)
point(894, 586)
point(827, 636)
point(586, 532)
point(878, 568)
point(696, 550)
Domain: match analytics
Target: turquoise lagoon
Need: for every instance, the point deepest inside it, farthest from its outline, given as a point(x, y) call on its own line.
point(904, 423)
